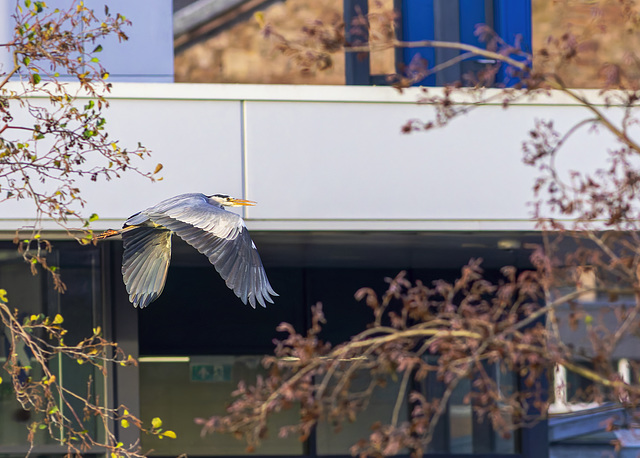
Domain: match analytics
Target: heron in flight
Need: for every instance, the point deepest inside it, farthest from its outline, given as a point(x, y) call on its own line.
point(203, 223)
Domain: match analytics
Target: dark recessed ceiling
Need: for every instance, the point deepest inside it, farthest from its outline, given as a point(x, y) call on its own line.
point(401, 250)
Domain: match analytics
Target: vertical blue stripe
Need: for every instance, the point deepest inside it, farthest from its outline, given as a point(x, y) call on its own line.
point(471, 14)
point(513, 19)
point(417, 24)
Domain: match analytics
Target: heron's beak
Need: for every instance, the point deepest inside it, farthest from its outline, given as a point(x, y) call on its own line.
point(242, 203)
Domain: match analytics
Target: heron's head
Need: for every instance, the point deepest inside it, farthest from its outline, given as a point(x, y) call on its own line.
point(227, 201)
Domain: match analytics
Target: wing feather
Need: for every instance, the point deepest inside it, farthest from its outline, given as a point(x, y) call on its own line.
point(222, 237)
point(147, 252)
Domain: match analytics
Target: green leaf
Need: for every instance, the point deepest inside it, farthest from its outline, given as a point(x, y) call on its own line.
point(27, 3)
point(94, 59)
point(93, 217)
point(98, 48)
point(42, 426)
point(156, 422)
point(36, 78)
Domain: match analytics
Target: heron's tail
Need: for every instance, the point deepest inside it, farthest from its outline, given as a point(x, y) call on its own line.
point(109, 233)
point(112, 233)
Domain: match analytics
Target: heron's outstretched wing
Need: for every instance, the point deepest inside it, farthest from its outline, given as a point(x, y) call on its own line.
point(223, 238)
point(147, 251)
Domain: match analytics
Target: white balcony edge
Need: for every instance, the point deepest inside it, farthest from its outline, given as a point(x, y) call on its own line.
point(316, 93)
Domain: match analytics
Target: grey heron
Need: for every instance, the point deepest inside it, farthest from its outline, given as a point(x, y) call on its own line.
point(203, 223)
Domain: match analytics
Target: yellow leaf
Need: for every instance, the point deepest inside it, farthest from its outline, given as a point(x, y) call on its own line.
point(124, 423)
point(3, 295)
point(158, 168)
point(259, 16)
point(156, 422)
point(0, 379)
point(33, 317)
point(58, 319)
point(170, 434)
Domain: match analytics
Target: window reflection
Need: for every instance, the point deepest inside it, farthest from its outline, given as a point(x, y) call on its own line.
point(338, 441)
point(460, 430)
point(26, 292)
point(179, 389)
point(82, 311)
point(460, 420)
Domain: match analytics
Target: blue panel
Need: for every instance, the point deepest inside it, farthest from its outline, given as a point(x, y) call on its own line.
point(513, 20)
point(417, 24)
point(471, 14)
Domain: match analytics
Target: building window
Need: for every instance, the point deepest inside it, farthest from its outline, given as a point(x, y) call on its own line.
point(179, 389)
point(186, 373)
point(444, 20)
point(81, 307)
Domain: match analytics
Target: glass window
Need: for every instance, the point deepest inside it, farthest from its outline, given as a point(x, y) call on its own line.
point(460, 420)
point(179, 389)
point(81, 309)
point(333, 440)
point(460, 430)
point(198, 340)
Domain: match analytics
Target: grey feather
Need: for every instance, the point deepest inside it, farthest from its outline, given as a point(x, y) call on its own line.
point(147, 251)
point(204, 224)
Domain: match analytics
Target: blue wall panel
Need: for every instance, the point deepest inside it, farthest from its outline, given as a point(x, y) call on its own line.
point(513, 23)
point(417, 24)
point(511, 19)
point(472, 13)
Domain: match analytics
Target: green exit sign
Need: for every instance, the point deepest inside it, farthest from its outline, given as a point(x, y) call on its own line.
point(211, 373)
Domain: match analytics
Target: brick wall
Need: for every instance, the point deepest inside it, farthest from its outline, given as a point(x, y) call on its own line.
point(240, 54)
